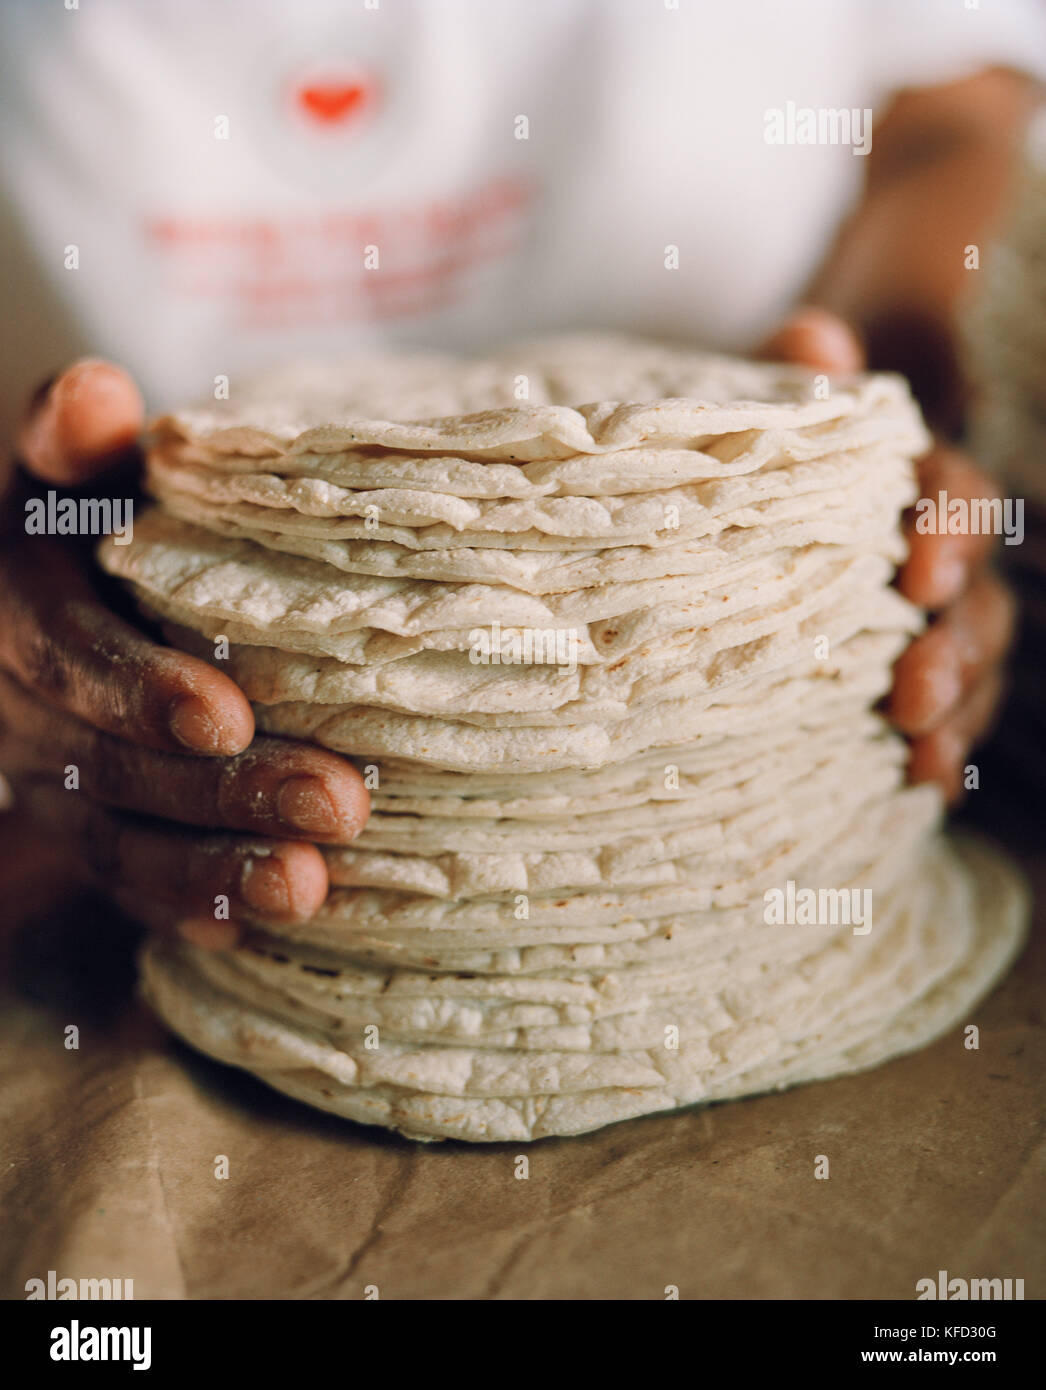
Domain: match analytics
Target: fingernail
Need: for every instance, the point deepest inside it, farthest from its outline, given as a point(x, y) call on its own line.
point(209, 934)
point(191, 723)
point(305, 804)
point(264, 885)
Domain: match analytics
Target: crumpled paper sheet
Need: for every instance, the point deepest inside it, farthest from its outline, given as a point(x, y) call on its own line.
point(108, 1154)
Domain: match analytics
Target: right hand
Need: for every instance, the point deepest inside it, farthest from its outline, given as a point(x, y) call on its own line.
point(177, 801)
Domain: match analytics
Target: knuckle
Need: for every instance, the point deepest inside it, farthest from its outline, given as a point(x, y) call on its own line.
point(228, 792)
point(44, 665)
point(34, 735)
point(105, 762)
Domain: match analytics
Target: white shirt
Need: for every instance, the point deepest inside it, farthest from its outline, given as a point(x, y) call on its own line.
point(196, 186)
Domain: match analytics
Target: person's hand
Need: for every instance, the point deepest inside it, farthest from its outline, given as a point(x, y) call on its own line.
point(177, 803)
point(948, 682)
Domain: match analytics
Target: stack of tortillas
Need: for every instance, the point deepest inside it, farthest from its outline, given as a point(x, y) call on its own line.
point(580, 894)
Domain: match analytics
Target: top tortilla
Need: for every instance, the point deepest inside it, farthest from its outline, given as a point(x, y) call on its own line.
point(584, 395)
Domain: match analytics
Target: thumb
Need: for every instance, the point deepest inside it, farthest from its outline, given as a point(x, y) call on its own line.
point(76, 424)
point(813, 337)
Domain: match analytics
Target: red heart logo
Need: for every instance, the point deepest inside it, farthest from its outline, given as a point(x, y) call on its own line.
point(331, 102)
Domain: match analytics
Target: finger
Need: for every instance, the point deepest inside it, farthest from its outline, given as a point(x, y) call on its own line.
point(953, 655)
point(814, 337)
point(67, 647)
point(90, 412)
point(940, 566)
point(166, 920)
point(941, 756)
point(197, 874)
point(212, 936)
point(277, 787)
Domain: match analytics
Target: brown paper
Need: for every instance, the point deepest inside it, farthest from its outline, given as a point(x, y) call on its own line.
point(109, 1154)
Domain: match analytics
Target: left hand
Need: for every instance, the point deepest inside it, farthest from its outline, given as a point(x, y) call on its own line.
point(948, 682)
